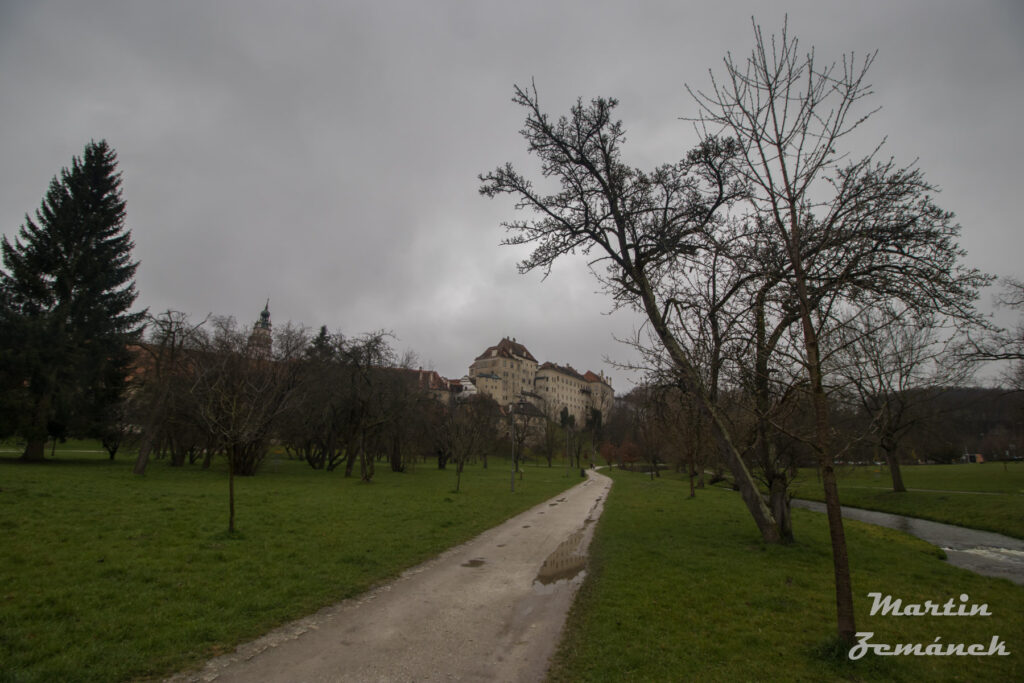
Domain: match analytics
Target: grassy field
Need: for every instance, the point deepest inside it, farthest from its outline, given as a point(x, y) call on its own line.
point(105, 576)
point(683, 589)
point(989, 496)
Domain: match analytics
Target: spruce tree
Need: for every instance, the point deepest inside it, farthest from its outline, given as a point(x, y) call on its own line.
point(67, 285)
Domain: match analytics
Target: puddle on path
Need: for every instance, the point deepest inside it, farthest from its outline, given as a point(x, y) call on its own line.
point(565, 563)
point(477, 562)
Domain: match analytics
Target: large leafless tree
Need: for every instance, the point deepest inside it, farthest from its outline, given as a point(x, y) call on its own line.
point(802, 227)
point(859, 229)
point(635, 225)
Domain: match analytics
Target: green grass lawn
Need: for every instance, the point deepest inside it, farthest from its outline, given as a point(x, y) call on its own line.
point(105, 576)
point(682, 589)
point(988, 496)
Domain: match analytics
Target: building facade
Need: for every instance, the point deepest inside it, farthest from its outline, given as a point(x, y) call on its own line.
point(509, 373)
point(504, 371)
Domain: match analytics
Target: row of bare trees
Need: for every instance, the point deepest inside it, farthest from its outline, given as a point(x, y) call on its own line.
point(333, 401)
point(357, 401)
point(203, 389)
point(206, 389)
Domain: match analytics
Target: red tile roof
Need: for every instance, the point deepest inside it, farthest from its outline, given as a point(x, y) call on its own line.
point(507, 348)
point(564, 369)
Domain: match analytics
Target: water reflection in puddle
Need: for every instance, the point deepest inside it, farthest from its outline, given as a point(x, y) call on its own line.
point(565, 563)
point(565, 568)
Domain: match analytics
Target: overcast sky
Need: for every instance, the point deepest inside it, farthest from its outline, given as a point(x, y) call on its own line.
point(325, 154)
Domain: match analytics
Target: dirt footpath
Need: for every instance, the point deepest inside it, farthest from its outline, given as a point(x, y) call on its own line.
point(488, 610)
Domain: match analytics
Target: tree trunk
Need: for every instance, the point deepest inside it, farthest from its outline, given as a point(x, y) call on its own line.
point(840, 560)
point(397, 465)
point(112, 445)
point(178, 455)
point(845, 623)
point(763, 517)
point(779, 500)
point(892, 459)
point(365, 462)
point(35, 450)
point(231, 495)
point(142, 460)
point(741, 475)
point(897, 475)
point(766, 445)
point(693, 492)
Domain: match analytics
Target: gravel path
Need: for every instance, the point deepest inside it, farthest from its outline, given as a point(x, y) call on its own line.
point(491, 609)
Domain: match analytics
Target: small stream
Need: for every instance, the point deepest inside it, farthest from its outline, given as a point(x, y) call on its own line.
point(982, 552)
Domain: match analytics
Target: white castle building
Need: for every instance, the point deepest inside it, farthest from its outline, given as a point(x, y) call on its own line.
point(509, 373)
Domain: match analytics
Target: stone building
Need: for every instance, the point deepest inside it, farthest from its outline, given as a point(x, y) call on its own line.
point(562, 387)
point(509, 373)
point(504, 372)
point(602, 396)
point(440, 388)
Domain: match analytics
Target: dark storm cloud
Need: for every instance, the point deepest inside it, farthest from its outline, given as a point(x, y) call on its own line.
point(325, 154)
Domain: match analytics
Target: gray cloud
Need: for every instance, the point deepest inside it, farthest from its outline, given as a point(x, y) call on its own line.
point(325, 154)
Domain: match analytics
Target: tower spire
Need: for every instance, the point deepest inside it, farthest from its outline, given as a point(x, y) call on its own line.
point(260, 339)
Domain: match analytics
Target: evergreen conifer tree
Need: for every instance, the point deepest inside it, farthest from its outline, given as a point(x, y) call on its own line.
point(66, 287)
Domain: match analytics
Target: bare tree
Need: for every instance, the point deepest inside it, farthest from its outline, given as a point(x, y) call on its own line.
point(862, 230)
point(637, 225)
point(769, 203)
point(161, 387)
point(526, 426)
point(240, 393)
point(469, 426)
point(352, 391)
point(366, 361)
point(552, 438)
point(895, 365)
point(681, 422)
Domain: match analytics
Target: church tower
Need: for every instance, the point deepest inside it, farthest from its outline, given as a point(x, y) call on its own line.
point(260, 339)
